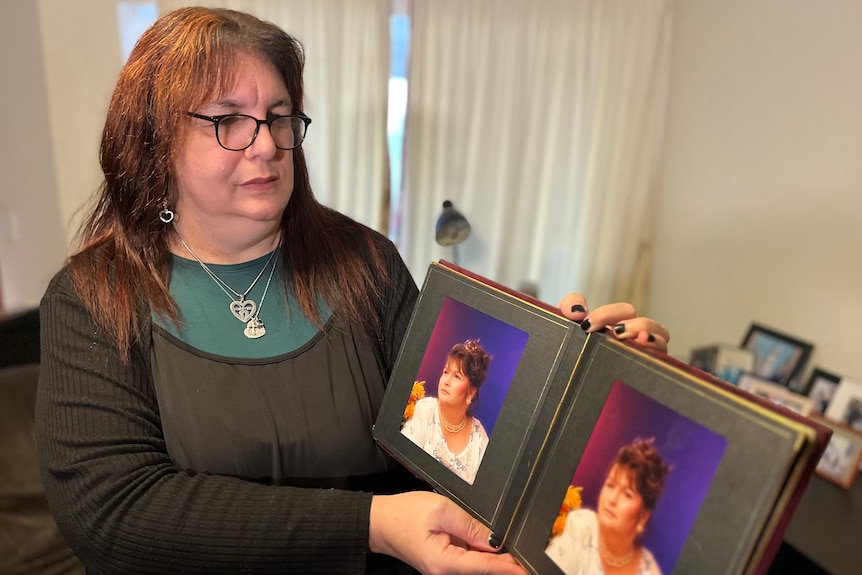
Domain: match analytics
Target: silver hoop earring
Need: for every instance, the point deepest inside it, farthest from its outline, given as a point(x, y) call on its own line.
point(166, 215)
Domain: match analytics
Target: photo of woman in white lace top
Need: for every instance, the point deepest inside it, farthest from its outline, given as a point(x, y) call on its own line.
point(444, 426)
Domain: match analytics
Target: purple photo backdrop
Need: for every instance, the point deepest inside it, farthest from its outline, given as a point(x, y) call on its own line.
point(458, 322)
point(693, 451)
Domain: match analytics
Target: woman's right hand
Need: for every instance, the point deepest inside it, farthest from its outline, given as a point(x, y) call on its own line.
point(621, 319)
point(434, 535)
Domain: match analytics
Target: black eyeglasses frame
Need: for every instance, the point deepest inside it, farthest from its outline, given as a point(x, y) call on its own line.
point(216, 120)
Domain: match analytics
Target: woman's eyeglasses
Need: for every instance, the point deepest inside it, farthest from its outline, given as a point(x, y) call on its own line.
point(237, 132)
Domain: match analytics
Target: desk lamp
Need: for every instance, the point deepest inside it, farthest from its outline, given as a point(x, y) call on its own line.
point(452, 229)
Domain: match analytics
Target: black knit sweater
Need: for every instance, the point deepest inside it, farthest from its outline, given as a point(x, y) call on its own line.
point(125, 507)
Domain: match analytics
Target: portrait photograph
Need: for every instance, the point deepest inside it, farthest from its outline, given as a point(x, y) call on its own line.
point(731, 362)
point(780, 395)
point(745, 380)
point(637, 490)
point(461, 385)
point(846, 404)
point(840, 461)
point(724, 361)
point(777, 357)
point(820, 388)
point(478, 381)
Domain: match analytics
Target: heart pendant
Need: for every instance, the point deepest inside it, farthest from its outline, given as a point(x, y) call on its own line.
point(254, 328)
point(243, 310)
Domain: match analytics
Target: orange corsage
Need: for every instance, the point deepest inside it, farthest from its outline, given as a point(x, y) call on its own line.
point(417, 393)
point(571, 501)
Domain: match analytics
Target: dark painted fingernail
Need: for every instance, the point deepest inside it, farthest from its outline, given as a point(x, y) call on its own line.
point(494, 540)
point(585, 325)
point(620, 328)
point(578, 308)
point(651, 338)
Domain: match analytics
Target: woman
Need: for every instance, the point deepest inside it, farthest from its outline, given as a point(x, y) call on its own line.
point(216, 348)
point(444, 425)
point(607, 541)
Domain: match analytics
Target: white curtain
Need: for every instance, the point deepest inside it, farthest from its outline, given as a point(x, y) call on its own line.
point(346, 44)
point(541, 121)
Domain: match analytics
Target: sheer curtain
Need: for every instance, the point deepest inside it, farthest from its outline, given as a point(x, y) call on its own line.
point(346, 45)
point(542, 122)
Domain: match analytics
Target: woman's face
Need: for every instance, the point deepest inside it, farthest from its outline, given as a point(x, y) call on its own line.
point(229, 194)
point(620, 506)
point(454, 387)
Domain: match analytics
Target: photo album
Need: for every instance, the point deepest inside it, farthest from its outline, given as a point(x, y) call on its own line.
point(578, 450)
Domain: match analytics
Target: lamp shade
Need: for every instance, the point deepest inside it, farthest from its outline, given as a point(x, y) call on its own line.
point(452, 227)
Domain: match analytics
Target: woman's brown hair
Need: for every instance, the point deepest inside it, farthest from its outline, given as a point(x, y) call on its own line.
point(642, 460)
point(183, 60)
point(474, 362)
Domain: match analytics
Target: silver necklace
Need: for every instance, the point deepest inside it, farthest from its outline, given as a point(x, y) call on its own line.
point(243, 309)
point(445, 422)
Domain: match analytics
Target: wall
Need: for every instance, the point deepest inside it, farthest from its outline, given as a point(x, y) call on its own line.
point(31, 237)
point(760, 216)
point(62, 58)
point(82, 61)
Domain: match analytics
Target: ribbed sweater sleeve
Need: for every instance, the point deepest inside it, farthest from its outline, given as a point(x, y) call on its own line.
point(398, 304)
point(122, 505)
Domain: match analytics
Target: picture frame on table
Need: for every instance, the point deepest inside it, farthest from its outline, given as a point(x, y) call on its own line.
point(780, 395)
point(704, 358)
point(724, 361)
point(821, 388)
point(747, 379)
point(733, 361)
point(846, 404)
point(778, 357)
point(841, 460)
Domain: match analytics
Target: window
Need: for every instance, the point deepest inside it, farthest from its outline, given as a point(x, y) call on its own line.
point(134, 18)
point(399, 30)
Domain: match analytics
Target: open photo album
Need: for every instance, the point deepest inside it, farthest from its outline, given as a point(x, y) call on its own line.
point(555, 438)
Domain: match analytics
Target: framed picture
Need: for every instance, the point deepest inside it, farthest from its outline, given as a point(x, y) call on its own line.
point(747, 379)
point(777, 357)
point(820, 388)
point(704, 358)
point(725, 361)
point(840, 462)
point(532, 351)
point(846, 404)
point(464, 341)
point(732, 362)
point(780, 395)
point(703, 439)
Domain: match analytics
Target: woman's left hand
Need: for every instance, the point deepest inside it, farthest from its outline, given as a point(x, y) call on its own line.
point(621, 319)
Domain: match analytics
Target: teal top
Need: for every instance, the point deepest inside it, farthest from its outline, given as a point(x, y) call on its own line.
point(208, 324)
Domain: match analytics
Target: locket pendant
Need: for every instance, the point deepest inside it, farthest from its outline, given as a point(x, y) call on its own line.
point(243, 310)
point(254, 328)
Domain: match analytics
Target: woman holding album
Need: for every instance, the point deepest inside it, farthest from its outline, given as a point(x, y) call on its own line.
point(217, 346)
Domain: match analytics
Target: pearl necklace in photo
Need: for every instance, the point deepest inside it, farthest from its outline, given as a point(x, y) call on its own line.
point(615, 560)
point(448, 426)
